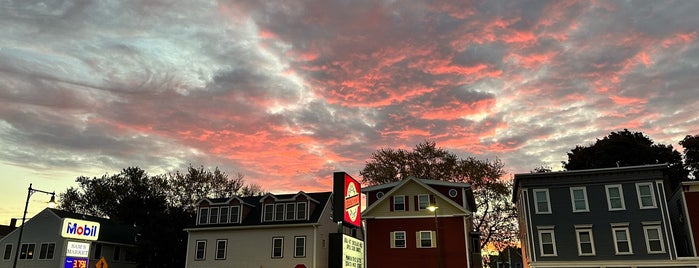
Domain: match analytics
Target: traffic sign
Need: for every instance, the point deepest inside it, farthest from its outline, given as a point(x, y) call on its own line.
point(102, 263)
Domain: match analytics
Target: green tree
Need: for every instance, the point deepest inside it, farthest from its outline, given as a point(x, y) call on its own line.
point(626, 148)
point(159, 206)
point(691, 154)
point(495, 216)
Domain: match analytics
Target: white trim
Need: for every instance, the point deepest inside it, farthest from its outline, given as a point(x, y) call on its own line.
point(305, 210)
point(196, 250)
point(281, 247)
point(628, 240)
point(592, 241)
point(550, 231)
point(652, 195)
point(418, 201)
point(405, 205)
point(225, 249)
point(230, 214)
point(660, 239)
point(211, 215)
point(667, 226)
point(265, 208)
point(296, 245)
point(278, 212)
point(572, 199)
point(536, 201)
point(393, 239)
point(621, 196)
point(418, 239)
point(206, 219)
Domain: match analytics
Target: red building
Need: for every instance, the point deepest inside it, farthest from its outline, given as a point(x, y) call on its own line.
point(685, 218)
point(420, 223)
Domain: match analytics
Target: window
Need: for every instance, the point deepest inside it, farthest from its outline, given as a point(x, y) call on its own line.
point(425, 239)
point(130, 254)
point(46, 251)
point(98, 251)
point(117, 252)
point(654, 239)
point(379, 195)
point(221, 249)
point(586, 244)
point(235, 214)
point(224, 215)
point(213, 215)
point(423, 201)
point(615, 197)
point(277, 247)
point(300, 211)
point(299, 247)
point(578, 196)
point(541, 197)
point(279, 212)
point(27, 252)
point(398, 239)
point(269, 212)
point(547, 242)
point(399, 203)
point(646, 199)
point(200, 254)
point(290, 211)
point(8, 252)
point(203, 215)
point(453, 192)
point(622, 240)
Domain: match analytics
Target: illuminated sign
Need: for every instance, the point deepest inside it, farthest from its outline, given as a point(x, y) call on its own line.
point(78, 249)
point(72, 262)
point(352, 252)
point(80, 229)
point(347, 199)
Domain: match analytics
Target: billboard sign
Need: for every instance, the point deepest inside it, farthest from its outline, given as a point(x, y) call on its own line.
point(346, 199)
point(80, 229)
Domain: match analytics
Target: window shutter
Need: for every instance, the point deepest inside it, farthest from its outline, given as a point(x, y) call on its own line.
point(391, 204)
point(432, 200)
point(433, 237)
point(406, 200)
point(393, 239)
point(417, 202)
point(417, 239)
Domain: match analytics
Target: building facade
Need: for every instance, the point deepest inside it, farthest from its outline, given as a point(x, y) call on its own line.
point(403, 228)
point(611, 217)
point(288, 230)
point(684, 210)
point(43, 245)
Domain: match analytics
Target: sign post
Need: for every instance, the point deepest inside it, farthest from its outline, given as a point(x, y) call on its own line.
point(345, 250)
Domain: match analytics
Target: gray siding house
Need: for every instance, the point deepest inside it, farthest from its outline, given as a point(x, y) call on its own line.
point(610, 217)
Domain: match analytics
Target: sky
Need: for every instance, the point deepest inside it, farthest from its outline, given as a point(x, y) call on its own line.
point(288, 92)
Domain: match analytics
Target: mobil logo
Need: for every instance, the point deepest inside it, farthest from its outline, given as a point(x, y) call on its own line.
point(80, 229)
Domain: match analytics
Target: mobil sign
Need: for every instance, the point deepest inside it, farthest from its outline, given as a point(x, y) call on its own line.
point(80, 229)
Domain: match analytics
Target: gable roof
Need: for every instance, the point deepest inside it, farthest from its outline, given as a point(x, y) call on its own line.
point(424, 183)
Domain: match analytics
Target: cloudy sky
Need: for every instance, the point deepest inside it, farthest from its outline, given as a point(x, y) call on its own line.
point(287, 92)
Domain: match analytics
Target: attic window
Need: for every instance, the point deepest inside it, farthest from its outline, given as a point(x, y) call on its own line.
point(379, 195)
point(453, 192)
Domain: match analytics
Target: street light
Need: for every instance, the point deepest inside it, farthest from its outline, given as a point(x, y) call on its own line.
point(51, 204)
point(434, 208)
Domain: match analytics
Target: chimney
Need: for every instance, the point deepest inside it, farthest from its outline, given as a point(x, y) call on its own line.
point(13, 223)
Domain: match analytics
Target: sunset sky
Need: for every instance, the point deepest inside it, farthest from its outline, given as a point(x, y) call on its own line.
point(287, 92)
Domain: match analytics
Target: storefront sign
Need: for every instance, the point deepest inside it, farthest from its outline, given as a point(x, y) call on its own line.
point(78, 249)
point(352, 252)
point(72, 262)
point(347, 197)
point(80, 229)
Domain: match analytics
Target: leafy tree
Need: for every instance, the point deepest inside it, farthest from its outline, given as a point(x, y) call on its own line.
point(626, 148)
point(159, 206)
point(691, 154)
point(495, 216)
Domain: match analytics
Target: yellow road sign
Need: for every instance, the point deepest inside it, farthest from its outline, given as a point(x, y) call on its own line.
point(102, 263)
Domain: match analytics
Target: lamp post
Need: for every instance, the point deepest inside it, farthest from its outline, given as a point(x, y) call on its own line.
point(51, 204)
point(434, 208)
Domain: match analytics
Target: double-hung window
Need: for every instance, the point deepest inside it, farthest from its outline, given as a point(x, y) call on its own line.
point(425, 239)
point(200, 254)
point(224, 215)
point(290, 211)
point(213, 215)
point(654, 239)
point(542, 201)
point(578, 196)
point(221, 246)
point(203, 215)
point(299, 246)
point(423, 201)
point(399, 203)
point(300, 211)
point(646, 199)
point(277, 247)
point(615, 197)
point(269, 212)
point(235, 214)
point(46, 251)
point(8, 252)
point(279, 213)
point(398, 239)
point(622, 240)
point(27, 252)
point(547, 242)
point(586, 243)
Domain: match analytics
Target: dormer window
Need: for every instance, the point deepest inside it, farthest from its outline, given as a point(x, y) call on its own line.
point(279, 214)
point(203, 215)
point(213, 215)
point(224, 215)
point(290, 211)
point(269, 212)
point(300, 211)
point(235, 214)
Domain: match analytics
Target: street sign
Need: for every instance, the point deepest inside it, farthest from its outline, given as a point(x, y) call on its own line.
point(102, 263)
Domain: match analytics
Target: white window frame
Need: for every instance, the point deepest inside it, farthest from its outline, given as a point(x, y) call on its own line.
point(660, 239)
point(553, 242)
point(279, 214)
point(296, 246)
point(281, 247)
point(419, 202)
point(213, 220)
point(225, 249)
point(237, 216)
point(269, 211)
point(222, 219)
point(418, 239)
point(206, 218)
point(394, 239)
point(305, 211)
point(592, 241)
point(292, 216)
point(572, 199)
point(404, 202)
point(616, 241)
point(609, 198)
point(196, 250)
point(640, 198)
point(536, 201)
